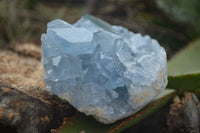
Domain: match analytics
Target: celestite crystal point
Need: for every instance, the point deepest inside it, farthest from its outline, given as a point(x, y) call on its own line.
point(102, 70)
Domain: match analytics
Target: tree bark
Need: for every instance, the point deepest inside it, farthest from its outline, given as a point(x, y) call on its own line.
point(36, 113)
point(184, 115)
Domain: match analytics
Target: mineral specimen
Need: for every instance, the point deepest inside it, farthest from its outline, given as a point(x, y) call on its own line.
point(102, 70)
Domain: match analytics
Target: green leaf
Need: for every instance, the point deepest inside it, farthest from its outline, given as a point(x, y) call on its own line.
point(184, 69)
point(190, 82)
point(81, 122)
point(186, 61)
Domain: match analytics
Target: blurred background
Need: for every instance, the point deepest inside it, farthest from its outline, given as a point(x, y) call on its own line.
point(173, 23)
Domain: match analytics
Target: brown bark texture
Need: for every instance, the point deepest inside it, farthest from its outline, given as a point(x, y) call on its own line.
point(184, 115)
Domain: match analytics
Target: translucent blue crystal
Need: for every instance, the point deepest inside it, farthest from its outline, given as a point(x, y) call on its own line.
point(102, 70)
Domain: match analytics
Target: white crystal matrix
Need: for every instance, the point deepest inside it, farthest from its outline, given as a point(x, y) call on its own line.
point(102, 70)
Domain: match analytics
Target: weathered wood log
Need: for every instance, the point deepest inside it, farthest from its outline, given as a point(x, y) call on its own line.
point(37, 113)
point(24, 103)
point(184, 115)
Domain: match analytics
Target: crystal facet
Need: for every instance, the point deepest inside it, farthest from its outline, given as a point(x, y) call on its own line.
point(102, 70)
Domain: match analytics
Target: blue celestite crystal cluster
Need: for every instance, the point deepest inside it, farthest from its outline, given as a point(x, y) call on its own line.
point(102, 70)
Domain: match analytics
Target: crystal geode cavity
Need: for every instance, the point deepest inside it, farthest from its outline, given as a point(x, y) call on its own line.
point(102, 70)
